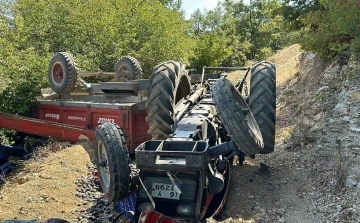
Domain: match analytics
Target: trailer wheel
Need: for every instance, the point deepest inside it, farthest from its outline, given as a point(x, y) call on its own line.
point(236, 117)
point(63, 73)
point(112, 161)
point(169, 83)
point(262, 102)
point(130, 67)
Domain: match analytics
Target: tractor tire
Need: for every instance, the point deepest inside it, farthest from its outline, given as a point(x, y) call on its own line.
point(236, 117)
point(262, 102)
point(63, 73)
point(169, 83)
point(112, 161)
point(130, 66)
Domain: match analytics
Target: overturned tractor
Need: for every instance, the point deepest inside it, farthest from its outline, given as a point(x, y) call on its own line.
point(197, 132)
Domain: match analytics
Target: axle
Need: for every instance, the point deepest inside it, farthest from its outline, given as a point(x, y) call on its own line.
point(191, 101)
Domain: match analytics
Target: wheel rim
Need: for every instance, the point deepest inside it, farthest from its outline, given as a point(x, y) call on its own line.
point(124, 70)
point(58, 73)
point(104, 167)
point(253, 128)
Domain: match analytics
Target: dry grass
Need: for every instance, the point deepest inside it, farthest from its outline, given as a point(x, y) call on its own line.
point(285, 133)
point(286, 61)
point(45, 187)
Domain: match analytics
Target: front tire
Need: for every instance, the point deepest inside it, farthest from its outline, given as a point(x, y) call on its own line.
point(112, 161)
point(236, 117)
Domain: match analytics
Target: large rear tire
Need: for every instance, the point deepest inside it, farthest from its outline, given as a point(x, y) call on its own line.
point(112, 161)
point(63, 73)
point(262, 102)
point(169, 83)
point(130, 67)
point(236, 117)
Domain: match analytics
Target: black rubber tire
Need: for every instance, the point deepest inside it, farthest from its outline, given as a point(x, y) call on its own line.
point(56, 220)
point(131, 66)
point(69, 72)
point(236, 117)
point(262, 102)
point(169, 83)
point(111, 137)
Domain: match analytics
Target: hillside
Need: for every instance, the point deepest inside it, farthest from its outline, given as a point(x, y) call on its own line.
point(313, 175)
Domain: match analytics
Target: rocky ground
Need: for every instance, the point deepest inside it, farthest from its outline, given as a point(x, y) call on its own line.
point(313, 175)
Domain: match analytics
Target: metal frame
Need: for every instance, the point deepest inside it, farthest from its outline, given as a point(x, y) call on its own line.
point(45, 128)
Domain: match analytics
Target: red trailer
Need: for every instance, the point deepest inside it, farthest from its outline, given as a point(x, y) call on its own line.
point(130, 116)
point(72, 109)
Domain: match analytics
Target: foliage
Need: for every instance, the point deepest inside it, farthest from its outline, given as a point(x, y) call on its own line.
point(333, 29)
point(293, 10)
point(235, 32)
point(100, 32)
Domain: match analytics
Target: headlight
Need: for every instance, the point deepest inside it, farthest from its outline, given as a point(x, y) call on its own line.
point(146, 206)
point(183, 209)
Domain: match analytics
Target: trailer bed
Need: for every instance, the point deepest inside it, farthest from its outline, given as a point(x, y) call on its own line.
point(88, 115)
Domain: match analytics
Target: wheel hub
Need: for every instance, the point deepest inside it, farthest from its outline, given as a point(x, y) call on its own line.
point(58, 73)
point(104, 165)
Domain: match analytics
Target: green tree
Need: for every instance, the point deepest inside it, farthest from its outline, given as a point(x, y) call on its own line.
point(244, 32)
point(264, 27)
point(212, 43)
point(294, 10)
point(332, 29)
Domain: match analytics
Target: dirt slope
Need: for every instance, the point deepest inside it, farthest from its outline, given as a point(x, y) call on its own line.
point(313, 175)
point(286, 61)
point(45, 188)
point(270, 188)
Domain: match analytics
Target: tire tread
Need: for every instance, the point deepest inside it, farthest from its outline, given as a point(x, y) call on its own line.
point(262, 101)
point(118, 157)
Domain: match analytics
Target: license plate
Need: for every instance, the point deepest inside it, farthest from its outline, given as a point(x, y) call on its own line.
point(167, 191)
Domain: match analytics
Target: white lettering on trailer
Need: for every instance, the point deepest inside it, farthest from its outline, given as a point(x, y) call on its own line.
point(53, 116)
point(105, 120)
point(75, 118)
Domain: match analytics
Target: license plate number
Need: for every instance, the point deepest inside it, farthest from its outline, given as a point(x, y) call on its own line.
point(167, 191)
